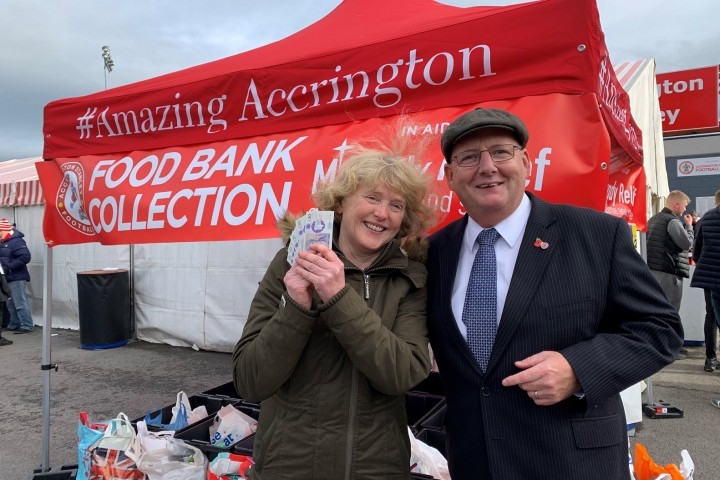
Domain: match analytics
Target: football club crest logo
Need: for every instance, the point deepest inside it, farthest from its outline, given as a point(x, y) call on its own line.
point(69, 198)
point(686, 168)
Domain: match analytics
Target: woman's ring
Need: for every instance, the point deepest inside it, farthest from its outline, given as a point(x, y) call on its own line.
point(535, 394)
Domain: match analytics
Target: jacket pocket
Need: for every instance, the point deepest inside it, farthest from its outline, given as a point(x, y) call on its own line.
point(580, 309)
point(599, 432)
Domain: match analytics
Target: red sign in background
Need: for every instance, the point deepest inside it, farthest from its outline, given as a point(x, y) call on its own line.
point(689, 99)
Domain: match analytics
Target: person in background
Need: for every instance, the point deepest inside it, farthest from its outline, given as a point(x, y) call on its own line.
point(334, 341)
point(4, 297)
point(706, 253)
point(669, 238)
point(539, 315)
point(695, 215)
point(710, 328)
point(14, 257)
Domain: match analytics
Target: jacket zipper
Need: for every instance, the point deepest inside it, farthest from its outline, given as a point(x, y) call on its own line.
point(349, 444)
point(366, 278)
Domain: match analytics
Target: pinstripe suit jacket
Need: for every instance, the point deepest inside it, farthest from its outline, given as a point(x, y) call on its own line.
point(589, 296)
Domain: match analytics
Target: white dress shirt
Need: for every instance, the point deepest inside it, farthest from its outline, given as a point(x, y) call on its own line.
point(507, 246)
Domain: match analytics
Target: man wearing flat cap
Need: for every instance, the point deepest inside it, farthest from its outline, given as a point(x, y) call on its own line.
point(539, 315)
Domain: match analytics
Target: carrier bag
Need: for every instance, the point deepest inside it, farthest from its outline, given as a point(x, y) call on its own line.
point(88, 434)
point(230, 426)
point(230, 466)
point(176, 460)
point(109, 459)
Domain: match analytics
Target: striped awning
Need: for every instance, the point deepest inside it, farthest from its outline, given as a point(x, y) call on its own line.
point(638, 79)
point(19, 185)
point(628, 72)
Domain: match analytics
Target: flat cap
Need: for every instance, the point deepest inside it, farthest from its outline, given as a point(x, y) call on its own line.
point(482, 118)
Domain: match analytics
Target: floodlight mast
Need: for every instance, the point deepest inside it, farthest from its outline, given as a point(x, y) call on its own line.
point(108, 63)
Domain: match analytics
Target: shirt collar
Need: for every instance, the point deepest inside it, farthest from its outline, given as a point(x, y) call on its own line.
point(509, 229)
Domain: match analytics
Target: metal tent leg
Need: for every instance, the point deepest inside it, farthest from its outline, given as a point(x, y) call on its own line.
point(659, 409)
point(46, 366)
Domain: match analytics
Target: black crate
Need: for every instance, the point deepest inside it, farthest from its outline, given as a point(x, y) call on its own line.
point(212, 404)
point(418, 405)
point(245, 446)
point(420, 476)
point(431, 385)
point(224, 390)
point(434, 438)
point(198, 435)
point(434, 419)
point(64, 473)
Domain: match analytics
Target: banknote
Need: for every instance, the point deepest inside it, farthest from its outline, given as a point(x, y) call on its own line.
point(316, 226)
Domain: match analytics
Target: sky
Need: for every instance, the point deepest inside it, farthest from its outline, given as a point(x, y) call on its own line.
point(51, 49)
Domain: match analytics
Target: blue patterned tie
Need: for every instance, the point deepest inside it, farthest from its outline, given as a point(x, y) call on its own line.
point(480, 309)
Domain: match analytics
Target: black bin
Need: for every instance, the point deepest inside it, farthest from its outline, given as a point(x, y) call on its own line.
point(104, 308)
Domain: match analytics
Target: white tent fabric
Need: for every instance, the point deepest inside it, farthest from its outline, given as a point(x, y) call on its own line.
point(638, 79)
point(184, 294)
point(197, 293)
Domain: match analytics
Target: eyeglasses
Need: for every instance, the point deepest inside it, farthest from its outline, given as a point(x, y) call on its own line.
point(393, 206)
point(498, 153)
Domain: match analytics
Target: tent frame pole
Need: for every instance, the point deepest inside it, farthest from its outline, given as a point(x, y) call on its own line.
point(46, 366)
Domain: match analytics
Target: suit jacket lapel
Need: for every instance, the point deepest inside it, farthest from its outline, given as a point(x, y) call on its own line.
point(529, 269)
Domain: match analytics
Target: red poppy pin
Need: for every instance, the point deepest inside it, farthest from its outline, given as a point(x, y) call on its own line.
point(538, 243)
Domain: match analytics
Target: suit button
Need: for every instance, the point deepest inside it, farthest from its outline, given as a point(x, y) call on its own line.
point(485, 391)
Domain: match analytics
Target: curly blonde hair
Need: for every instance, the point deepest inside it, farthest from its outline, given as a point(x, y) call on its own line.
point(390, 166)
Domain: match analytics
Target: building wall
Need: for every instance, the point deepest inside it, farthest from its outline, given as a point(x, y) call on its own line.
point(692, 308)
point(692, 146)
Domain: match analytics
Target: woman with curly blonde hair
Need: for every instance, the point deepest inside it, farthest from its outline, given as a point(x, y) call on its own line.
point(333, 342)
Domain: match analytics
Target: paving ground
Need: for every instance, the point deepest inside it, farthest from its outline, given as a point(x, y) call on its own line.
point(141, 376)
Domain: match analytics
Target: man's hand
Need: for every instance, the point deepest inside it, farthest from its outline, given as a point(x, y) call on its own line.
point(547, 377)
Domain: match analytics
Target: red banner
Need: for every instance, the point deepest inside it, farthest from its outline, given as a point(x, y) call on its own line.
point(627, 195)
point(689, 99)
point(234, 190)
point(366, 59)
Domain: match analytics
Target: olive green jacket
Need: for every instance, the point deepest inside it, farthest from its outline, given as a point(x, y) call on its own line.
point(332, 379)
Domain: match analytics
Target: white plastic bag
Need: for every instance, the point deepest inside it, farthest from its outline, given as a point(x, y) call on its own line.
point(230, 426)
point(427, 460)
point(176, 460)
point(687, 466)
point(150, 441)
